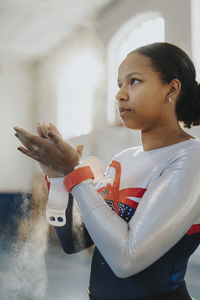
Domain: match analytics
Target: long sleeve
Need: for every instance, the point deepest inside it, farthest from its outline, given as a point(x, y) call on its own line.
point(169, 207)
point(73, 236)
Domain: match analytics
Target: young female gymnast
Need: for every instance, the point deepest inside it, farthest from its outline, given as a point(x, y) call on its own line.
point(144, 217)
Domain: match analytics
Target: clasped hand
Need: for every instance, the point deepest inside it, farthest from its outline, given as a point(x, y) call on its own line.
point(56, 157)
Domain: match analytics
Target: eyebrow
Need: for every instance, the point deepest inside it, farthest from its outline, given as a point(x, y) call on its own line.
point(130, 74)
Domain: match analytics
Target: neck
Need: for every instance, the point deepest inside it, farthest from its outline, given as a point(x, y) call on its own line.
point(163, 136)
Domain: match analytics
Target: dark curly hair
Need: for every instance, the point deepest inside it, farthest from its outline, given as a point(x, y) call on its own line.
point(172, 62)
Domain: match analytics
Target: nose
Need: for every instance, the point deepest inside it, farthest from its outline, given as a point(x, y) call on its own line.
point(122, 96)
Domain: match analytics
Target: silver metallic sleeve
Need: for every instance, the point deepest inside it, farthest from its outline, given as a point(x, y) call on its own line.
point(169, 207)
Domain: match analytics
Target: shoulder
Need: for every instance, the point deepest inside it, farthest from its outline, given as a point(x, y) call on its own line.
point(189, 149)
point(186, 156)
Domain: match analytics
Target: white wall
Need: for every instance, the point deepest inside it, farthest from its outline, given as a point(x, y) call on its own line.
point(176, 14)
point(17, 109)
point(29, 91)
point(49, 70)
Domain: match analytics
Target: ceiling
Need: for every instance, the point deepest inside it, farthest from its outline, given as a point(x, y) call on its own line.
point(30, 28)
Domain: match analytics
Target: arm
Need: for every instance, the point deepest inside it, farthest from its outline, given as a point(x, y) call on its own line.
point(67, 220)
point(73, 236)
point(167, 210)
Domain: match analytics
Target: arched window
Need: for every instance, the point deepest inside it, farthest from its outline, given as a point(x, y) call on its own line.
point(143, 29)
point(76, 94)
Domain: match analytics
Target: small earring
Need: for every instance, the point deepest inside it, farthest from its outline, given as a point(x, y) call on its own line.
point(170, 99)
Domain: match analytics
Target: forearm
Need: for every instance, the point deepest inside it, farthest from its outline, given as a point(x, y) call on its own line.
point(107, 229)
point(73, 236)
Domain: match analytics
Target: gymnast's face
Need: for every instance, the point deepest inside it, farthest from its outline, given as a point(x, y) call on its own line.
point(142, 95)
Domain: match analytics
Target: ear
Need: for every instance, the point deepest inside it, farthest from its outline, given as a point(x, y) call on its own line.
point(174, 89)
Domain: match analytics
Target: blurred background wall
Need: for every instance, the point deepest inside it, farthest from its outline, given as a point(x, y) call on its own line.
point(58, 63)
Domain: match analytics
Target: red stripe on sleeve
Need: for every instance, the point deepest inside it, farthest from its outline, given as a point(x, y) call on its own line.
point(194, 229)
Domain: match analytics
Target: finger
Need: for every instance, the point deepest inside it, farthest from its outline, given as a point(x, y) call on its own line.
point(25, 142)
point(79, 149)
point(39, 130)
point(56, 139)
point(38, 159)
point(63, 146)
point(55, 129)
point(36, 150)
point(28, 153)
point(34, 156)
point(28, 139)
point(45, 129)
point(24, 133)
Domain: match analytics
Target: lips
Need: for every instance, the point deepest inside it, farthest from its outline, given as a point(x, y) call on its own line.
point(123, 111)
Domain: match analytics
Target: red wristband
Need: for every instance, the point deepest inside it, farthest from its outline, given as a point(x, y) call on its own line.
point(47, 182)
point(77, 176)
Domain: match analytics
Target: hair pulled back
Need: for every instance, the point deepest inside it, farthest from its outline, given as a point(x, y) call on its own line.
point(172, 62)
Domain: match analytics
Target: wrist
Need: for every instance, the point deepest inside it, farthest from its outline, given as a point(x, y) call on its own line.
point(74, 166)
point(81, 174)
point(49, 180)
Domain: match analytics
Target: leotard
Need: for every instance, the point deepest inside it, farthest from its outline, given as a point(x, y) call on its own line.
point(144, 220)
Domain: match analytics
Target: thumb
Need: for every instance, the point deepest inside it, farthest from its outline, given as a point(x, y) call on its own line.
point(79, 149)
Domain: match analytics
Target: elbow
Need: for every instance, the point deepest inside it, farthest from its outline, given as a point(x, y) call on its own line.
point(122, 271)
point(127, 266)
point(127, 269)
point(121, 274)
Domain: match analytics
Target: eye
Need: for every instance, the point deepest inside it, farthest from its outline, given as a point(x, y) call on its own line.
point(119, 85)
point(134, 81)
